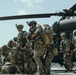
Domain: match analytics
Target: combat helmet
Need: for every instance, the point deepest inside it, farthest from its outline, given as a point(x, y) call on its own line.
point(19, 26)
point(45, 26)
point(63, 34)
point(4, 47)
point(10, 42)
point(31, 22)
point(15, 38)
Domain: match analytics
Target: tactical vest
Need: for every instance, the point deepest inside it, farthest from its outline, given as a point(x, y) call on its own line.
point(66, 45)
point(22, 38)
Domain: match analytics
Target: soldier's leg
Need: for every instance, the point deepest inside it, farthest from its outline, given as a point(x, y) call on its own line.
point(48, 60)
point(39, 66)
point(68, 63)
point(31, 67)
point(38, 53)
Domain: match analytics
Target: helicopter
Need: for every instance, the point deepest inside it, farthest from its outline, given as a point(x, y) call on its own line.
point(65, 24)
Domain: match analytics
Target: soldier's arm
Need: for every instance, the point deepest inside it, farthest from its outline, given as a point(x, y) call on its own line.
point(38, 30)
point(61, 45)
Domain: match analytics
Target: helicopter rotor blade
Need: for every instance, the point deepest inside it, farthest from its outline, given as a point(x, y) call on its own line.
point(45, 15)
point(25, 16)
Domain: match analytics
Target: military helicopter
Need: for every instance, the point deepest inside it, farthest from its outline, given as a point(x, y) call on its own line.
point(65, 24)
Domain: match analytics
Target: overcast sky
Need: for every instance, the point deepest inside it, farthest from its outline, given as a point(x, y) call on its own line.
point(23, 7)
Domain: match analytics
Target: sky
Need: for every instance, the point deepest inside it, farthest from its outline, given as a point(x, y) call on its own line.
point(23, 7)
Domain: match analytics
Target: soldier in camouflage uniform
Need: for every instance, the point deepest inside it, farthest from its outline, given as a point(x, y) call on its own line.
point(65, 48)
point(21, 38)
point(21, 46)
point(35, 35)
point(74, 42)
point(30, 65)
point(4, 53)
point(22, 55)
point(11, 44)
point(50, 48)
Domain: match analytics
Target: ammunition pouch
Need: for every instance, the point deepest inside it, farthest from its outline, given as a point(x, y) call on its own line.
point(55, 52)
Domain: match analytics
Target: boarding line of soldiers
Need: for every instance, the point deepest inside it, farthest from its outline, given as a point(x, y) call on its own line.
point(31, 52)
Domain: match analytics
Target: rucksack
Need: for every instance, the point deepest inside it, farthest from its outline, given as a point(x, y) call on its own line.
point(47, 34)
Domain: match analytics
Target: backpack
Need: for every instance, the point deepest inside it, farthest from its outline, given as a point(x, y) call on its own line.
point(47, 34)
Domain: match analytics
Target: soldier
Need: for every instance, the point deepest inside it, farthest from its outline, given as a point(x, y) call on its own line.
point(15, 41)
point(4, 53)
point(21, 46)
point(50, 48)
point(11, 44)
point(21, 38)
point(35, 35)
point(74, 42)
point(29, 61)
point(65, 48)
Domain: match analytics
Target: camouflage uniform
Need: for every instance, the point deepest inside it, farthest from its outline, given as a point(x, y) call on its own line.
point(4, 53)
point(65, 47)
point(74, 42)
point(35, 35)
point(49, 48)
point(30, 65)
point(21, 37)
point(21, 43)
